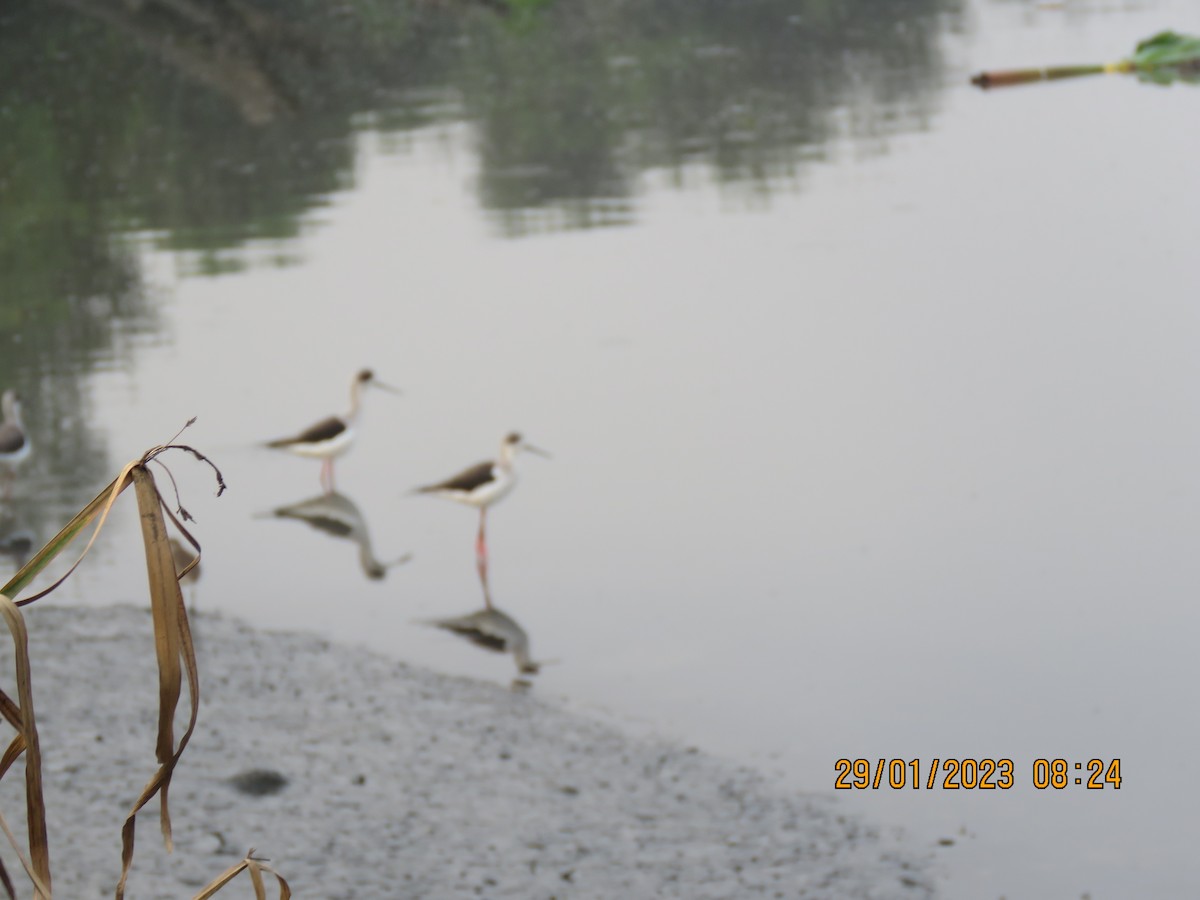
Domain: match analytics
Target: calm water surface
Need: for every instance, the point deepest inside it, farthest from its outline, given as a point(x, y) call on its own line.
point(870, 396)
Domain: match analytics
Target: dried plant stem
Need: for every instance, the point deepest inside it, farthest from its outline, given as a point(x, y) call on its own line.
point(35, 807)
point(256, 867)
point(176, 655)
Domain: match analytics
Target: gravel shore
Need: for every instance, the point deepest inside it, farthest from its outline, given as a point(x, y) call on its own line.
point(399, 782)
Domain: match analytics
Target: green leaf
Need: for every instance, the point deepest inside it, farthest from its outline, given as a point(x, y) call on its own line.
point(1167, 48)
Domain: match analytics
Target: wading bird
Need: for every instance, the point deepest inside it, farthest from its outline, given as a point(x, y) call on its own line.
point(482, 485)
point(14, 443)
point(332, 437)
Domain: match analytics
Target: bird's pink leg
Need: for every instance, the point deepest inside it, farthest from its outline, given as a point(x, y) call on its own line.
point(481, 561)
point(487, 591)
point(481, 539)
point(327, 475)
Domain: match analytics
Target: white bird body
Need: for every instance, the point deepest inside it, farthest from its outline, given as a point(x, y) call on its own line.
point(480, 486)
point(337, 444)
point(491, 482)
point(484, 483)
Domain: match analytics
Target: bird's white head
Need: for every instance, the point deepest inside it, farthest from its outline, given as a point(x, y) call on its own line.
point(514, 442)
point(367, 377)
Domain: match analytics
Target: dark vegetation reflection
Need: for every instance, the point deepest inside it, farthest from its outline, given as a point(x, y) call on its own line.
point(208, 122)
point(217, 129)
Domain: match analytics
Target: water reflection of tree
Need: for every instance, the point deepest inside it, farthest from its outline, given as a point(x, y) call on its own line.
point(66, 286)
point(215, 123)
point(572, 113)
point(222, 45)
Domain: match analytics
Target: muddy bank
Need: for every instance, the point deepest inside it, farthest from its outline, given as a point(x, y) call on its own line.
point(399, 782)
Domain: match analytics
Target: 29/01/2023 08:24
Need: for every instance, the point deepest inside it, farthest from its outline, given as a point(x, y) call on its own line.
point(973, 774)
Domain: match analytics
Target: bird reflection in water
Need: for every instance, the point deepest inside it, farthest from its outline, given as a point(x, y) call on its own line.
point(337, 515)
point(16, 542)
point(495, 630)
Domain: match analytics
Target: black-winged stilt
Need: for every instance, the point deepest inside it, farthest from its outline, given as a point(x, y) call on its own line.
point(332, 437)
point(482, 485)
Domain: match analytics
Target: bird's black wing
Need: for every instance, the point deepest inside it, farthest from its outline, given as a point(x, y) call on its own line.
point(12, 438)
point(466, 480)
point(325, 430)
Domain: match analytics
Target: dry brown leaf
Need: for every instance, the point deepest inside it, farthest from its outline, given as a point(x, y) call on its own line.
point(7, 882)
point(176, 654)
point(256, 867)
point(35, 807)
point(12, 753)
point(174, 650)
point(10, 711)
point(12, 839)
point(97, 510)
